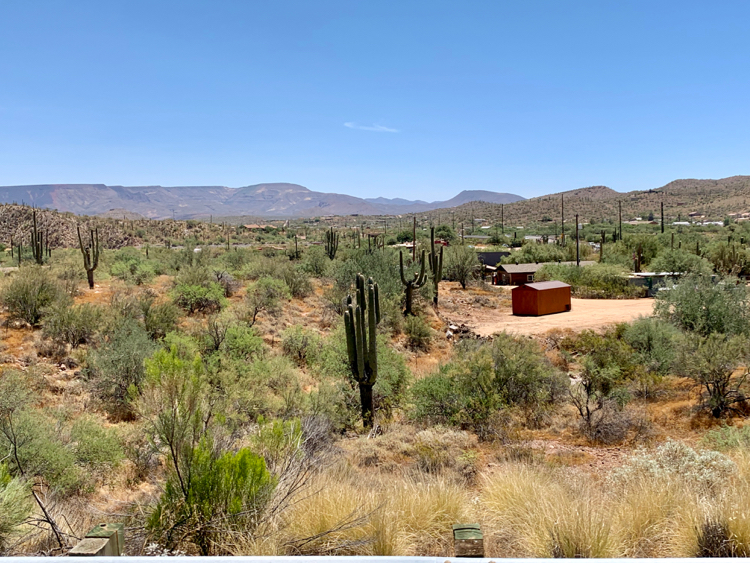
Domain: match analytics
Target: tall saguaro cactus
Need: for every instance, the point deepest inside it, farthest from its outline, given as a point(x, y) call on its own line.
point(37, 241)
point(332, 243)
point(436, 266)
point(419, 279)
point(361, 317)
point(90, 254)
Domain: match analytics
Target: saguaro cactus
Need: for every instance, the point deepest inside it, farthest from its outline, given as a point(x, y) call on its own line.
point(436, 266)
point(360, 319)
point(419, 279)
point(90, 254)
point(37, 241)
point(332, 243)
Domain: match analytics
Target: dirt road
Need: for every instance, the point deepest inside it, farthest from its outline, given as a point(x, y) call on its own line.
point(584, 313)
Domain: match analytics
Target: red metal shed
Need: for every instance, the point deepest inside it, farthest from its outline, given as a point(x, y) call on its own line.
point(541, 298)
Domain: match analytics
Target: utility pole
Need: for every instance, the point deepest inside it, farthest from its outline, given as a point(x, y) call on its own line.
point(562, 218)
point(662, 217)
point(619, 205)
point(601, 248)
point(578, 255)
point(414, 240)
point(462, 233)
point(502, 218)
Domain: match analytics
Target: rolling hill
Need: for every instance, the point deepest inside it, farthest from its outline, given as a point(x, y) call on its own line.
point(183, 202)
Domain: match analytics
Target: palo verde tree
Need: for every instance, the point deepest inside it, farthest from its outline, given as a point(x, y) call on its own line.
point(360, 320)
point(332, 243)
point(90, 254)
point(436, 266)
point(419, 279)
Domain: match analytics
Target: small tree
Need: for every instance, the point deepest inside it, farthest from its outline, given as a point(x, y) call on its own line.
point(116, 368)
point(265, 295)
point(711, 362)
point(699, 305)
point(462, 262)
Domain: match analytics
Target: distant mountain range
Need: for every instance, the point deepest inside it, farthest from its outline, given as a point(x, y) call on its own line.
point(261, 200)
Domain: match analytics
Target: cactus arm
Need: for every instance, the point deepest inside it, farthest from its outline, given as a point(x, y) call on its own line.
point(401, 266)
point(351, 347)
point(420, 279)
point(377, 304)
point(360, 338)
point(440, 265)
point(83, 250)
point(373, 355)
point(95, 233)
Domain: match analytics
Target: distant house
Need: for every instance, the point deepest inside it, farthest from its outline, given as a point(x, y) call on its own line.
point(520, 274)
point(543, 298)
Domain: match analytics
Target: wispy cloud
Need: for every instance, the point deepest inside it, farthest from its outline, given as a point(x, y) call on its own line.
point(376, 128)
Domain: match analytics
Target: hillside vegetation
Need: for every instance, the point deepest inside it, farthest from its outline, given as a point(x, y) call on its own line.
point(225, 390)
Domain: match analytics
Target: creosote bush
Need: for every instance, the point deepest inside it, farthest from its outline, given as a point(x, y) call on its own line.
point(511, 371)
point(30, 292)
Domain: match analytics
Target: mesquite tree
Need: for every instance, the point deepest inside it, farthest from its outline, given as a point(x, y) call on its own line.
point(360, 320)
point(419, 279)
point(90, 254)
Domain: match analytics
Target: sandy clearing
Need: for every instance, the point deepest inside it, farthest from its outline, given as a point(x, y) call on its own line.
point(584, 314)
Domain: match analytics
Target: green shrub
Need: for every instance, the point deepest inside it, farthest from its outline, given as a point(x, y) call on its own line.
point(711, 362)
point(315, 262)
point(34, 440)
point(727, 438)
point(381, 266)
point(159, 318)
point(680, 261)
point(300, 344)
point(266, 295)
point(15, 506)
point(265, 388)
point(30, 292)
point(655, 343)
point(117, 365)
point(597, 281)
point(296, 280)
point(418, 333)
point(483, 378)
point(223, 493)
point(697, 304)
point(130, 265)
point(199, 299)
point(243, 343)
point(72, 325)
point(94, 445)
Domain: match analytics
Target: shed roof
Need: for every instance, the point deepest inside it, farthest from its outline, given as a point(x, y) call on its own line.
point(520, 268)
point(533, 268)
point(543, 285)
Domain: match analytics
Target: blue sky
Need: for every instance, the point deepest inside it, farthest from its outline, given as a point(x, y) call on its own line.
point(380, 98)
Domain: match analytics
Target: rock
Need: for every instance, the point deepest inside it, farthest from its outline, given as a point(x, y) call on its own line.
point(70, 363)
